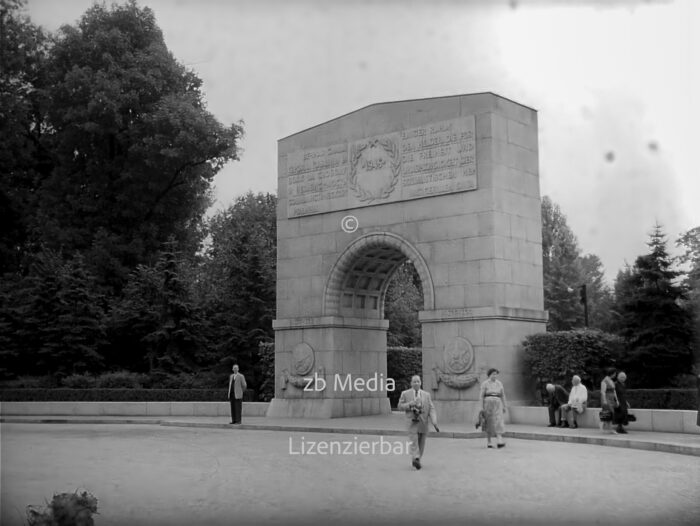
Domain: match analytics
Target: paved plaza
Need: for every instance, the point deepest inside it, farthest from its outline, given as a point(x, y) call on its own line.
point(150, 474)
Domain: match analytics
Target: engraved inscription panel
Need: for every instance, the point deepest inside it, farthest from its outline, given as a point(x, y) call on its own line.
point(435, 159)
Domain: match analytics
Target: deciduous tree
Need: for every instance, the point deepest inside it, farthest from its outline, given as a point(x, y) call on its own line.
point(133, 149)
point(23, 48)
point(561, 269)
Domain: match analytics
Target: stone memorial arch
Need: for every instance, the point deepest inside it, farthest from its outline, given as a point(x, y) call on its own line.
point(450, 184)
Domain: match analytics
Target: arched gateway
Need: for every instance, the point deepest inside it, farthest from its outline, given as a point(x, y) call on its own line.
point(450, 184)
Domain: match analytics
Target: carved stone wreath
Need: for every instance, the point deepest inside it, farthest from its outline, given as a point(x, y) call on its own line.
point(356, 153)
point(455, 381)
point(458, 359)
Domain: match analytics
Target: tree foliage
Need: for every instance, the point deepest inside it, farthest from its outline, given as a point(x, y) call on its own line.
point(266, 360)
point(158, 320)
point(52, 319)
point(23, 48)
point(237, 280)
point(107, 153)
point(652, 318)
point(123, 150)
point(562, 274)
point(690, 242)
point(565, 271)
point(403, 300)
point(599, 294)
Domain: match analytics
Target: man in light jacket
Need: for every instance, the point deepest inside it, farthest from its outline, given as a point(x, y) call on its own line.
point(236, 386)
point(578, 400)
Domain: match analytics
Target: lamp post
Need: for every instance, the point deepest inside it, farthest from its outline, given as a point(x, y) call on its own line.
point(584, 300)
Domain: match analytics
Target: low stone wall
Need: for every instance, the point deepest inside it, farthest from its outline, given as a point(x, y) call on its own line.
point(662, 420)
point(129, 408)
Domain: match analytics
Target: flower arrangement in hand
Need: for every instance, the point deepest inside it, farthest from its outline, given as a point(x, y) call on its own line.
point(416, 408)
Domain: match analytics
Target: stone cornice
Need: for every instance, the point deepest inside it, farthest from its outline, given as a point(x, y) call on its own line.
point(483, 313)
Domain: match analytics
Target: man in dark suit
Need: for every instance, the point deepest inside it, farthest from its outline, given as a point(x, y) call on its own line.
point(419, 410)
point(558, 396)
point(236, 386)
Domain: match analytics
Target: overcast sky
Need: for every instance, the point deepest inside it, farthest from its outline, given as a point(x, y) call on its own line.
point(616, 86)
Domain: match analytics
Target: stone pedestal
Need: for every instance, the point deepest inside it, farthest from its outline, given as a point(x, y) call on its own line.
point(330, 367)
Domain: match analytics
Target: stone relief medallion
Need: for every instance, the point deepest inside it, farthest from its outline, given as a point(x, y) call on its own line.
point(458, 355)
point(302, 366)
point(458, 359)
point(374, 169)
point(302, 358)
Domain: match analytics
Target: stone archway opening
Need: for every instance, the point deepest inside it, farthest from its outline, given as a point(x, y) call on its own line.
point(358, 282)
point(364, 288)
point(383, 283)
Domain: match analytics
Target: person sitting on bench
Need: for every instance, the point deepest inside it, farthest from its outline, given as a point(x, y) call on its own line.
point(558, 396)
point(578, 401)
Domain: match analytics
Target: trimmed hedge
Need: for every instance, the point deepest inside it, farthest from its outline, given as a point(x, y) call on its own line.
point(557, 356)
point(686, 399)
point(266, 353)
point(120, 395)
point(123, 380)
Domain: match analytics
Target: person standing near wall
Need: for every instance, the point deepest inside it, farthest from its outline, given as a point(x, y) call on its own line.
point(236, 386)
point(608, 400)
point(620, 414)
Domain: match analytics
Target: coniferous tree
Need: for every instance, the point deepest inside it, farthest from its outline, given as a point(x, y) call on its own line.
point(159, 319)
point(652, 319)
point(54, 319)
